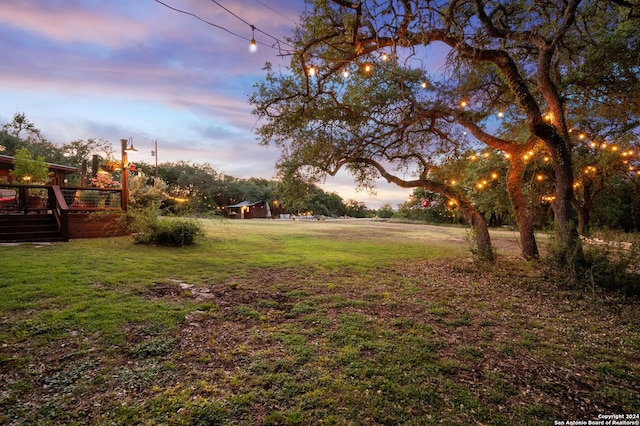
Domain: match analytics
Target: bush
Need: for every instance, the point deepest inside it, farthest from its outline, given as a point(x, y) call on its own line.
point(605, 265)
point(613, 268)
point(170, 232)
point(148, 227)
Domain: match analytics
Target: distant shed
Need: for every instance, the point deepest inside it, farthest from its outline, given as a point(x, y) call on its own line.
point(247, 210)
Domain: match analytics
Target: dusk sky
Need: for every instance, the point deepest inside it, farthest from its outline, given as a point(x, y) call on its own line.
point(116, 69)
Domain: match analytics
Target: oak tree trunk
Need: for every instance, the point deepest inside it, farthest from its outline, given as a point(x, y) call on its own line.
point(528, 245)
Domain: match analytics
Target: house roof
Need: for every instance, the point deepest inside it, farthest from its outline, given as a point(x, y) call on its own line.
point(243, 204)
point(6, 162)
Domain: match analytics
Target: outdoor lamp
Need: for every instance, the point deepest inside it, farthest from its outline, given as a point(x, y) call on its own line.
point(125, 171)
point(130, 148)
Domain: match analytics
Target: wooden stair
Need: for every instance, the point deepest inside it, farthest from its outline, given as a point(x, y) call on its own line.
point(29, 228)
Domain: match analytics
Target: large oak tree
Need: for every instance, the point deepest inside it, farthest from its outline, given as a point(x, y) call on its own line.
point(360, 93)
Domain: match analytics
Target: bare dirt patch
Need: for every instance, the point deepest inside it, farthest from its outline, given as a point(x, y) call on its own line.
point(509, 338)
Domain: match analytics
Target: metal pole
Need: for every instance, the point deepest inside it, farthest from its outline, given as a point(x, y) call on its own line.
point(156, 154)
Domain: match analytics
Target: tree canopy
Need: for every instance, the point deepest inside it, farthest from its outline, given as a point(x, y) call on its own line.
point(360, 92)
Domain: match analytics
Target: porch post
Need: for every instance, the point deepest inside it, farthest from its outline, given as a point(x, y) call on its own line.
point(124, 199)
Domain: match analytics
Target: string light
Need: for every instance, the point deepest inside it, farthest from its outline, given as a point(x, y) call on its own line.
point(311, 71)
point(368, 67)
point(278, 42)
point(253, 46)
point(345, 73)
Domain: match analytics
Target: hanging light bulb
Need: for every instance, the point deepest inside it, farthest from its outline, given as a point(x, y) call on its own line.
point(368, 68)
point(311, 71)
point(345, 73)
point(253, 46)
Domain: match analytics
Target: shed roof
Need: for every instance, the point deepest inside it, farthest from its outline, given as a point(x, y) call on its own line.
point(243, 204)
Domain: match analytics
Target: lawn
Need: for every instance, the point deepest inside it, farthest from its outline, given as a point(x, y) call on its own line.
point(332, 322)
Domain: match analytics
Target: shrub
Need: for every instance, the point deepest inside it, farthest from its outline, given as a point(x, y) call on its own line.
point(606, 265)
point(149, 228)
point(613, 268)
point(171, 232)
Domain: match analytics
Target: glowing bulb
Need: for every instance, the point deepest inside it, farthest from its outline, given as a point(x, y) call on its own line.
point(345, 73)
point(367, 68)
point(385, 57)
point(463, 104)
point(253, 46)
point(494, 175)
point(500, 114)
point(311, 71)
point(424, 85)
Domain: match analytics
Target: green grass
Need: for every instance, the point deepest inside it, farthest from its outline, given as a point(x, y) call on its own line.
point(274, 322)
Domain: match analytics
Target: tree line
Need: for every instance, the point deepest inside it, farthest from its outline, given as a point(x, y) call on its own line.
point(187, 187)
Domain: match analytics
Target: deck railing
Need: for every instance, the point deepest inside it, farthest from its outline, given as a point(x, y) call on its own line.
point(41, 198)
point(60, 211)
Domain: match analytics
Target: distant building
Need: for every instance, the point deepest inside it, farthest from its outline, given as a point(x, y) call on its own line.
point(252, 210)
point(246, 210)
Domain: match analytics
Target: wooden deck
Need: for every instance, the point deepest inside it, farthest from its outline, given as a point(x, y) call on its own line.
point(52, 213)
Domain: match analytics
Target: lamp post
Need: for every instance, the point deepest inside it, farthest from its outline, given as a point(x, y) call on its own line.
point(124, 202)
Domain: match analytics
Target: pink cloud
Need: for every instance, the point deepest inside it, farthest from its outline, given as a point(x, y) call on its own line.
point(72, 23)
